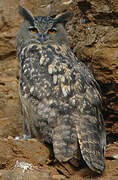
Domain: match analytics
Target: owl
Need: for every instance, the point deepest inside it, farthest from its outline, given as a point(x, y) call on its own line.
point(59, 96)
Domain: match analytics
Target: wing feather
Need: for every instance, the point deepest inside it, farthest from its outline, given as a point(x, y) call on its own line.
point(90, 128)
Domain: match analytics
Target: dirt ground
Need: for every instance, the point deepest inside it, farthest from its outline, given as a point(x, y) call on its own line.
point(93, 34)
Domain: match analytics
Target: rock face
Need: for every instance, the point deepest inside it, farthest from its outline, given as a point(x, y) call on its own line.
point(95, 41)
point(93, 34)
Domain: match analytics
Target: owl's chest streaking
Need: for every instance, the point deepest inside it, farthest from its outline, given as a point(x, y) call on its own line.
point(49, 72)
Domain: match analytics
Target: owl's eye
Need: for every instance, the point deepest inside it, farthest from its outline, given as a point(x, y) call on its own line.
point(52, 31)
point(33, 30)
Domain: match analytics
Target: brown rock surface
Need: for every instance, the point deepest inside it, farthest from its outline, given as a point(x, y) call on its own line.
point(95, 42)
point(93, 32)
point(28, 175)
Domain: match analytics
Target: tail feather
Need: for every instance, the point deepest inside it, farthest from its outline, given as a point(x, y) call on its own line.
point(65, 142)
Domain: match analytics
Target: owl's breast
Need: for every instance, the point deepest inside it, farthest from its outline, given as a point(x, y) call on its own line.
point(59, 64)
point(48, 71)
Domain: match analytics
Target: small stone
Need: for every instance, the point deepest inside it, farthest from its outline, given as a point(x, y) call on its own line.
point(17, 138)
point(115, 156)
point(10, 138)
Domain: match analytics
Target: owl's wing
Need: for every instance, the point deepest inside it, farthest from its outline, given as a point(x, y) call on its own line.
point(90, 128)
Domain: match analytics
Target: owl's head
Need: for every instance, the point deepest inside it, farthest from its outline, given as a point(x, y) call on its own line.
point(42, 29)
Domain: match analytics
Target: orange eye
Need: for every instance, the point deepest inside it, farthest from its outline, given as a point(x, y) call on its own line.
point(52, 31)
point(33, 30)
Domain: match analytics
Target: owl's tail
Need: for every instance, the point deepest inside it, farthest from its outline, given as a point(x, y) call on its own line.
point(64, 139)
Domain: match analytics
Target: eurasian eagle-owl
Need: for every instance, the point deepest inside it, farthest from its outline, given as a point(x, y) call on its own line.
point(59, 96)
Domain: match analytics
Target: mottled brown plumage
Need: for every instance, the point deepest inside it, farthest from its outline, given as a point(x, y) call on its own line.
point(59, 96)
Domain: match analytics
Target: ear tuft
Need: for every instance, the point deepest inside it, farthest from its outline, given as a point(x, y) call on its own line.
point(27, 16)
point(62, 18)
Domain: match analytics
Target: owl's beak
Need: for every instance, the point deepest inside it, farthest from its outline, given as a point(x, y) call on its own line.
point(41, 38)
